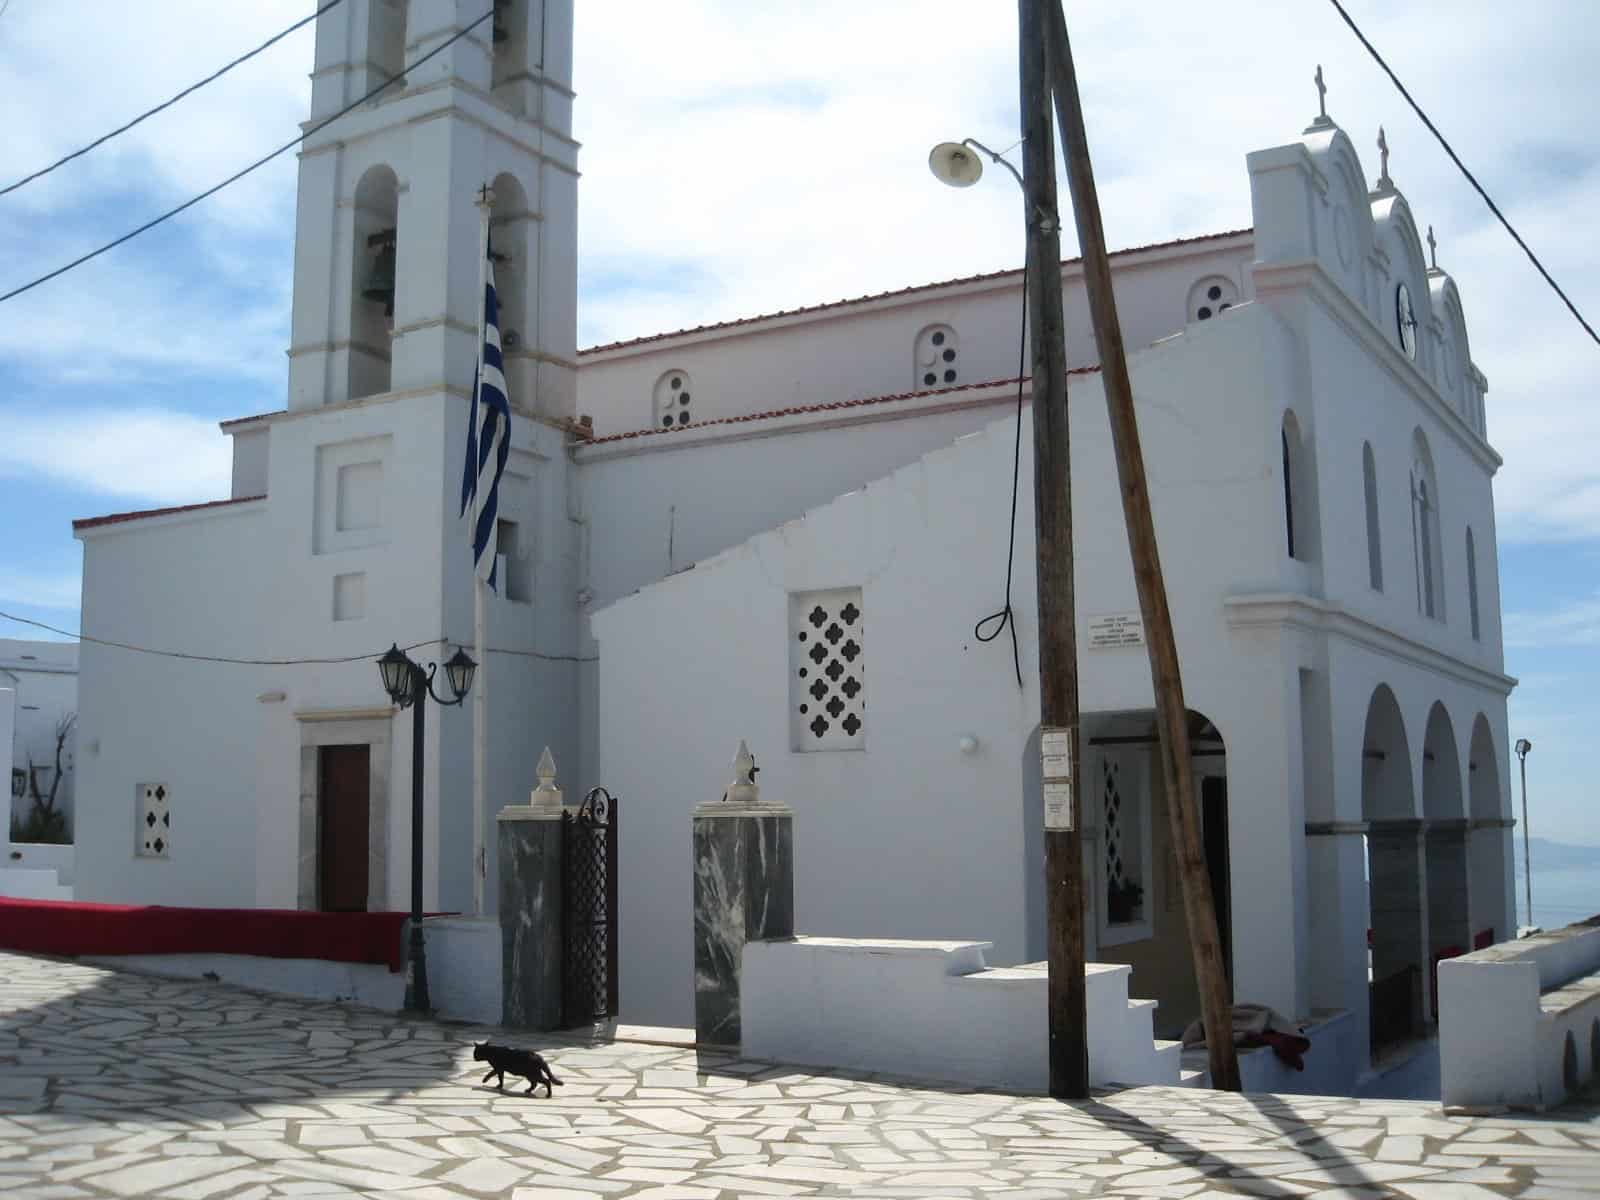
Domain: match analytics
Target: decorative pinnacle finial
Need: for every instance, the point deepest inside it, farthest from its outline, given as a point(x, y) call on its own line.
point(1384, 181)
point(743, 789)
point(547, 794)
point(1433, 249)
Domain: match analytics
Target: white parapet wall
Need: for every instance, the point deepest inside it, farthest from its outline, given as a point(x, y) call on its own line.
point(934, 1010)
point(1519, 1022)
point(36, 871)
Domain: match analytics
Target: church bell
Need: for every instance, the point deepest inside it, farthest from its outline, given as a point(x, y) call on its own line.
point(380, 282)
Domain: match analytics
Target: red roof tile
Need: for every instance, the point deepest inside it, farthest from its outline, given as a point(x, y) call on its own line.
point(118, 518)
point(816, 408)
point(905, 291)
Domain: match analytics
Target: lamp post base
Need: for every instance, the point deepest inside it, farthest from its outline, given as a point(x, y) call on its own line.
point(417, 1002)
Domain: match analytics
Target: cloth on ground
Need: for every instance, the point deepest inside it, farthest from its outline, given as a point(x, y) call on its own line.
point(1258, 1025)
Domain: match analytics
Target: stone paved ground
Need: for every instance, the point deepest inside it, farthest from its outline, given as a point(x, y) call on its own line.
point(114, 1084)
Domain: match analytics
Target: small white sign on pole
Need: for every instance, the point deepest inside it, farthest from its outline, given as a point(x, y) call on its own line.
point(1116, 629)
point(1055, 760)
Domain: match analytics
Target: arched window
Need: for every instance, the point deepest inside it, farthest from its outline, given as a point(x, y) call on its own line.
point(937, 351)
point(1472, 584)
point(373, 281)
point(1299, 491)
point(673, 394)
point(1425, 531)
point(1369, 473)
point(1288, 488)
point(1211, 297)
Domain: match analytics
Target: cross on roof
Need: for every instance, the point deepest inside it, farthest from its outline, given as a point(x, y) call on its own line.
point(1433, 248)
point(1322, 96)
point(1383, 157)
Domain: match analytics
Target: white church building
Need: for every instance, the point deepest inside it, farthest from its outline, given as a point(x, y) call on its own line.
point(784, 529)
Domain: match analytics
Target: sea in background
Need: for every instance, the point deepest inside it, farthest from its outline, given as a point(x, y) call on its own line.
point(1566, 883)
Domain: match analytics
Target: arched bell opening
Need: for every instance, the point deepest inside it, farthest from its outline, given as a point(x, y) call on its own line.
point(373, 281)
point(510, 243)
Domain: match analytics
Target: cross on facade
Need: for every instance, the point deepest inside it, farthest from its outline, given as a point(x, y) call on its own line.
point(1433, 249)
point(1383, 158)
point(1322, 96)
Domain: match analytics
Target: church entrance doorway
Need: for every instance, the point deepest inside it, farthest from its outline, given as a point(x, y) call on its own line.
point(344, 824)
point(1133, 906)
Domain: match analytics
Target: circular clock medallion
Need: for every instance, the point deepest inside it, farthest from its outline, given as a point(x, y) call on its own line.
point(1405, 320)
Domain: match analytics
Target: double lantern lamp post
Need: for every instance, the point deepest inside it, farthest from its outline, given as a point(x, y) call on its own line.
point(408, 684)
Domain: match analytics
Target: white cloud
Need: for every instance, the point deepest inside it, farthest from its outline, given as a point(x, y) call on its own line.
point(739, 159)
point(1578, 624)
point(149, 455)
point(60, 590)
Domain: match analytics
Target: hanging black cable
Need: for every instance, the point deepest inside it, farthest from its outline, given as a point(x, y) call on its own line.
point(238, 175)
point(211, 78)
point(276, 662)
point(1416, 108)
point(1005, 617)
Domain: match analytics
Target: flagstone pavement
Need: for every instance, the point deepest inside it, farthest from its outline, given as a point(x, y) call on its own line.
point(122, 1085)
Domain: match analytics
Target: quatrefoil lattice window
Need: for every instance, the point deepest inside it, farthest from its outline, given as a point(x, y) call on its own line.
point(827, 706)
point(153, 835)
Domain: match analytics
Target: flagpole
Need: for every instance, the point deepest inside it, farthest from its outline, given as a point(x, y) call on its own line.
point(480, 693)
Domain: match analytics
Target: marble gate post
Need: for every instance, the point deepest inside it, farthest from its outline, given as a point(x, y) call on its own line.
point(530, 905)
point(743, 892)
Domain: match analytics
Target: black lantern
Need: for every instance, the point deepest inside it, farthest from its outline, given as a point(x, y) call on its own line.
point(459, 670)
point(395, 668)
point(409, 686)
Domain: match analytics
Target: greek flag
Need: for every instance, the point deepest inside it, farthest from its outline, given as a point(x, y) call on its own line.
point(488, 439)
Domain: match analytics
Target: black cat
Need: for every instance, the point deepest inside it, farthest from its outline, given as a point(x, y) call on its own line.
point(519, 1062)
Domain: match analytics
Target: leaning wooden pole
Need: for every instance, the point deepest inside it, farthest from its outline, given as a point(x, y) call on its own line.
point(1052, 507)
point(1171, 714)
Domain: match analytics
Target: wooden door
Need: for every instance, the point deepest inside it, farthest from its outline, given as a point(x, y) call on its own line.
point(343, 808)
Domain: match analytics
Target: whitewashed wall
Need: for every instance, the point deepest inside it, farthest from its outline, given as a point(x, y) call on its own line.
point(910, 837)
point(866, 348)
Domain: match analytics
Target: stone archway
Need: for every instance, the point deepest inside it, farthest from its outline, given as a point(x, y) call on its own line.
point(1449, 916)
point(1491, 919)
point(1397, 919)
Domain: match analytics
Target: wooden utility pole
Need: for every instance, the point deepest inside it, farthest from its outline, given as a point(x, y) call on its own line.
point(1052, 508)
point(1171, 715)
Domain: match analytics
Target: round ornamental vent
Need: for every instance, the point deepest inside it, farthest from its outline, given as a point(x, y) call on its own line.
point(1211, 297)
point(936, 358)
point(673, 396)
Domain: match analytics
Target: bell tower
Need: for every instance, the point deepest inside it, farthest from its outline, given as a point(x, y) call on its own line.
point(468, 92)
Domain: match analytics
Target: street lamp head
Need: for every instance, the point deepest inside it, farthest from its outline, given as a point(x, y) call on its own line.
point(953, 164)
point(459, 670)
point(1522, 747)
point(395, 668)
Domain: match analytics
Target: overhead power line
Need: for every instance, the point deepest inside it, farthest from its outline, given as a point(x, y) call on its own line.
point(1455, 158)
point(278, 662)
point(238, 175)
point(212, 78)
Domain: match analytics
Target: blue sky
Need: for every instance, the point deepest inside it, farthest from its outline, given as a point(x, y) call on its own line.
point(742, 158)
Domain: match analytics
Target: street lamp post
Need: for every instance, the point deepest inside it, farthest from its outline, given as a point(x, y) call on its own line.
point(1522, 747)
point(408, 684)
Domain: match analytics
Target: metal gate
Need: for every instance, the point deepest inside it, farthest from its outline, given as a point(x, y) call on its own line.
point(589, 905)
